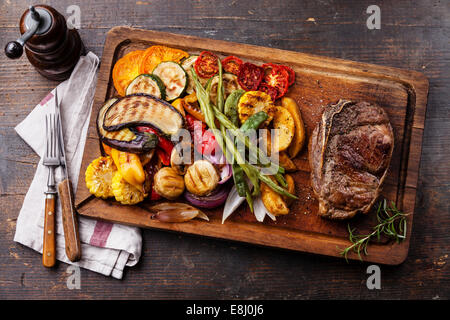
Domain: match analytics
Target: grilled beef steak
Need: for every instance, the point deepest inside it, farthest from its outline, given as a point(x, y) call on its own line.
point(349, 153)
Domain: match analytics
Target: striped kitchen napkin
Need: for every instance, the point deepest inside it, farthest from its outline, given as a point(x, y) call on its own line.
point(106, 247)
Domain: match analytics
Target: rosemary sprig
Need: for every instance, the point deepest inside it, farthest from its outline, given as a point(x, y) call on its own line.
point(391, 222)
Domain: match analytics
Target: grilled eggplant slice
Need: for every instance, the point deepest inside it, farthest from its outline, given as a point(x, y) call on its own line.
point(124, 139)
point(145, 110)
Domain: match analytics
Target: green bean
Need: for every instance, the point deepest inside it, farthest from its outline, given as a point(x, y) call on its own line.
point(254, 121)
point(239, 181)
point(275, 187)
point(220, 88)
point(230, 109)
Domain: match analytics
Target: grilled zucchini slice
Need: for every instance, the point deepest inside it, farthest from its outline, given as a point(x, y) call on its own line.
point(174, 78)
point(148, 84)
point(142, 109)
point(230, 84)
point(187, 64)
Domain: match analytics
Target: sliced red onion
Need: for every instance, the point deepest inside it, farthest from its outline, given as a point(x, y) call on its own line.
point(225, 169)
point(213, 200)
point(225, 173)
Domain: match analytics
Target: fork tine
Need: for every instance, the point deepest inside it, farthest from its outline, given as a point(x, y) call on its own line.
point(47, 135)
point(56, 133)
point(51, 136)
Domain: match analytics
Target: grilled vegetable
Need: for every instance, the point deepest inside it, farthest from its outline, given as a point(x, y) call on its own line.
point(175, 212)
point(123, 139)
point(206, 65)
point(284, 126)
point(271, 91)
point(187, 64)
point(190, 105)
point(174, 78)
point(154, 55)
point(168, 183)
point(124, 192)
point(99, 175)
point(147, 157)
point(250, 76)
point(142, 109)
point(148, 84)
point(178, 104)
point(252, 102)
point(201, 178)
point(286, 162)
point(231, 64)
point(130, 167)
point(291, 74)
point(272, 200)
point(254, 121)
point(277, 77)
point(300, 134)
point(126, 69)
point(231, 106)
point(290, 188)
point(230, 84)
point(212, 200)
point(182, 156)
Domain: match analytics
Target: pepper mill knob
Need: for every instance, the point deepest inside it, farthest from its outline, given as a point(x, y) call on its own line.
point(13, 50)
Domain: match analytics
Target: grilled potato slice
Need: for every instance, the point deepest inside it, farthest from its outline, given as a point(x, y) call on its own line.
point(284, 125)
point(252, 102)
point(286, 162)
point(273, 201)
point(99, 175)
point(299, 135)
point(290, 189)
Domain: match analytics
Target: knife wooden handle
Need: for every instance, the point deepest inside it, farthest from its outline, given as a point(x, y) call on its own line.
point(49, 248)
point(70, 223)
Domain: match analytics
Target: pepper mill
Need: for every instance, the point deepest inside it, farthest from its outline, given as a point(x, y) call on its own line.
point(51, 47)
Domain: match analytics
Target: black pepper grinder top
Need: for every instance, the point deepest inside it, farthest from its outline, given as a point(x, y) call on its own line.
point(51, 47)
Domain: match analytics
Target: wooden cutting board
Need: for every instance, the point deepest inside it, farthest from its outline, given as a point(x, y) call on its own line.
point(319, 82)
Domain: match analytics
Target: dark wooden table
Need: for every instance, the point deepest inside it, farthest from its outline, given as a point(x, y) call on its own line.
point(414, 35)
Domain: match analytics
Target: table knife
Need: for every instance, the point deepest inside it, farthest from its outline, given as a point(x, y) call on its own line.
point(69, 218)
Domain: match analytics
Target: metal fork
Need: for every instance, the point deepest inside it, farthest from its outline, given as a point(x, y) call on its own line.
point(51, 160)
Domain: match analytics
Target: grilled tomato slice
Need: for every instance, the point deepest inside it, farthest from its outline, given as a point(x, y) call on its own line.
point(250, 76)
point(154, 55)
point(291, 74)
point(271, 91)
point(276, 76)
point(231, 64)
point(126, 70)
point(206, 64)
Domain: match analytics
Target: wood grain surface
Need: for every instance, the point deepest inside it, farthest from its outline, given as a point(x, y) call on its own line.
point(319, 82)
point(414, 35)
